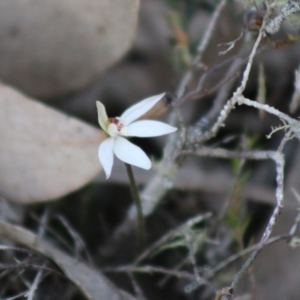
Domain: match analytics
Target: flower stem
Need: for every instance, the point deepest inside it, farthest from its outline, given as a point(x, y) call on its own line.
point(138, 203)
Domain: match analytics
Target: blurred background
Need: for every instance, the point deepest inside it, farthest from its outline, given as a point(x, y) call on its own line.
point(68, 54)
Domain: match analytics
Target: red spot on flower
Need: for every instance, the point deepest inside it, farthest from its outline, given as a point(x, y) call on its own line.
point(117, 122)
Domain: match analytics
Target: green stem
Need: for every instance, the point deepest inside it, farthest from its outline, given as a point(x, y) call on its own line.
point(138, 204)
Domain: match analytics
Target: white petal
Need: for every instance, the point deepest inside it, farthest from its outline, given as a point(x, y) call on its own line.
point(139, 109)
point(106, 155)
point(102, 116)
point(131, 154)
point(147, 128)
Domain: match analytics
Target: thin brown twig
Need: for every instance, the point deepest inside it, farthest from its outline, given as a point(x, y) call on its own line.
point(38, 278)
point(79, 244)
point(200, 50)
point(26, 266)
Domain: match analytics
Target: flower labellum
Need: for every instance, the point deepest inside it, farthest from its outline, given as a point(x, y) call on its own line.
point(118, 128)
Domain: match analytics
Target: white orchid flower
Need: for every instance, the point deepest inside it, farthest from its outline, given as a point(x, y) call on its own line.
point(126, 126)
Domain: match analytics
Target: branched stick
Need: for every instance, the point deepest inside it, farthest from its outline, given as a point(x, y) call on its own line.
point(271, 110)
point(168, 167)
point(230, 105)
point(279, 160)
point(212, 272)
point(256, 155)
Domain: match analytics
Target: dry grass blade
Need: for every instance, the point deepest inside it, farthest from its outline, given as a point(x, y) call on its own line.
point(89, 281)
